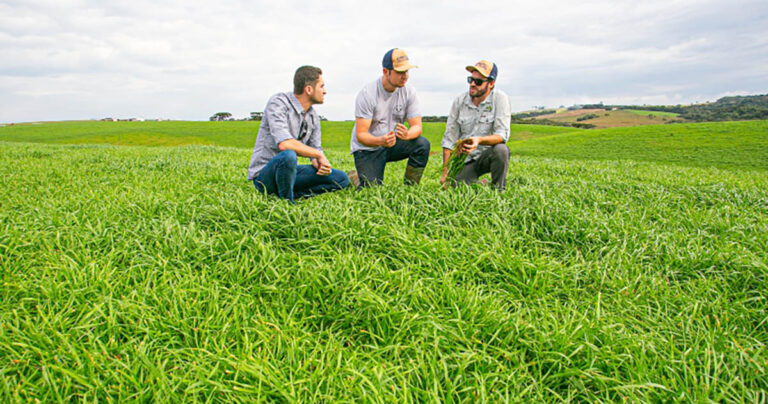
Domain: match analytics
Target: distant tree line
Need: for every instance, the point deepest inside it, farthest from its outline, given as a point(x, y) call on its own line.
point(533, 114)
point(736, 108)
point(739, 108)
point(433, 118)
point(254, 116)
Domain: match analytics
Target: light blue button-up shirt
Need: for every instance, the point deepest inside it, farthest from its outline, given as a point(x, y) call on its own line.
point(491, 117)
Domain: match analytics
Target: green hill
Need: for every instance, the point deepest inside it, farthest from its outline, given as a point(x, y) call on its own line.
point(721, 144)
point(729, 109)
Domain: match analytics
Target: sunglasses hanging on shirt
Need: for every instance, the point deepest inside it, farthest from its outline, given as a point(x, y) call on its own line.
point(303, 128)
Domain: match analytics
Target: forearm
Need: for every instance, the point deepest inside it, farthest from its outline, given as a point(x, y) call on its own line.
point(414, 132)
point(446, 156)
point(491, 140)
point(367, 139)
point(300, 148)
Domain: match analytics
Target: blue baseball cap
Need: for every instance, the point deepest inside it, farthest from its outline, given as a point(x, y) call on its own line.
point(396, 59)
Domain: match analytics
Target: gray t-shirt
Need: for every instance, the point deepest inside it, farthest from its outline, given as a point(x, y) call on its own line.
point(491, 117)
point(384, 109)
point(282, 121)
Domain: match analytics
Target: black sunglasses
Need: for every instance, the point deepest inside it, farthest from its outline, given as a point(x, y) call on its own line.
point(303, 129)
point(478, 82)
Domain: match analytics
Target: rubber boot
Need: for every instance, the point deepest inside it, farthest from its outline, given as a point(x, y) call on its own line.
point(354, 179)
point(412, 175)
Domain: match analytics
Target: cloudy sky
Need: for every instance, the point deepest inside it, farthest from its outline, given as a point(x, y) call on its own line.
point(187, 59)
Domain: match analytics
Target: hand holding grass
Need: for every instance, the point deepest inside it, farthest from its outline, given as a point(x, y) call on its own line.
point(470, 144)
point(455, 163)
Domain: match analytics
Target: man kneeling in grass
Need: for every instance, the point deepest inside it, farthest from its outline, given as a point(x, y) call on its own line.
point(290, 128)
point(480, 119)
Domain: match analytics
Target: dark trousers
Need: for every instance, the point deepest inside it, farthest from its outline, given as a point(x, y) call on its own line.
point(284, 177)
point(494, 160)
point(370, 163)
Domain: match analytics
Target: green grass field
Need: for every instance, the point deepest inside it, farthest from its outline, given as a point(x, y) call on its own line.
point(604, 273)
point(336, 135)
point(653, 113)
point(722, 144)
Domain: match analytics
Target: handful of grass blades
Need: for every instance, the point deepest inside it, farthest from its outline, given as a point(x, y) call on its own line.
point(455, 163)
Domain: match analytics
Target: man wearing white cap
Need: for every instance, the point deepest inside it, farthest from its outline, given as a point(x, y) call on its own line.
point(380, 136)
point(482, 116)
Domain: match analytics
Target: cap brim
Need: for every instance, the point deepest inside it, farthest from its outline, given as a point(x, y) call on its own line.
point(475, 69)
point(402, 69)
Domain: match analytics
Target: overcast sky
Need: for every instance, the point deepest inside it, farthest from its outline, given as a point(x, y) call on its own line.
point(187, 59)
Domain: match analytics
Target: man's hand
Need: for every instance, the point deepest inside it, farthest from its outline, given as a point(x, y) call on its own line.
point(401, 132)
point(389, 139)
point(322, 165)
point(443, 180)
point(470, 144)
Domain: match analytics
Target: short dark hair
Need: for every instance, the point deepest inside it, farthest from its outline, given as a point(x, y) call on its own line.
point(305, 76)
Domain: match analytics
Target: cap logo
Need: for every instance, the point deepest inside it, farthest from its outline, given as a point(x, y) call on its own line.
point(401, 59)
point(482, 65)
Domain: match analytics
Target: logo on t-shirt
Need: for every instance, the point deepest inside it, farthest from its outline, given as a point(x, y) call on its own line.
point(398, 107)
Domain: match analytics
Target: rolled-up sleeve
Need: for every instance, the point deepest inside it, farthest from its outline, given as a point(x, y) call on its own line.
point(315, 139)
point(277, 114)
point(452, 128)
point(503, 116)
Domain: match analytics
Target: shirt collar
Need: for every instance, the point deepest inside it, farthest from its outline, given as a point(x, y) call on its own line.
point(297, 105)
point(487, 100)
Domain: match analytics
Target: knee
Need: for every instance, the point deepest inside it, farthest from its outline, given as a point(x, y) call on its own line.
point(422, 144)
point(288, 159)
point(339, 178)
point(501, 151)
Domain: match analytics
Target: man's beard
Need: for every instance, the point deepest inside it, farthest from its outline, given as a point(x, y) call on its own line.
point(479, 93)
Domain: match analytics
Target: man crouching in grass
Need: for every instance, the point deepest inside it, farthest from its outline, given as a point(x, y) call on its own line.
point(290, 128)
point(479, 117)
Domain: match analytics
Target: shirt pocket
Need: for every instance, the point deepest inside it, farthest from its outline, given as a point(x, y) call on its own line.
point(467, 124)
point(485, 124)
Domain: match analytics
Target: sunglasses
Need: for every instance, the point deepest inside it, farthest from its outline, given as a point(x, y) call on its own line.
point(303, 129)
point(477, 82)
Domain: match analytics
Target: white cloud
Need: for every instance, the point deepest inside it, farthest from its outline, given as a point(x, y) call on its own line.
point(189, 59)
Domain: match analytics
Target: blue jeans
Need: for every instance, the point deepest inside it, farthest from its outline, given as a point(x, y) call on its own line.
point(284, 177)
point(370, 163)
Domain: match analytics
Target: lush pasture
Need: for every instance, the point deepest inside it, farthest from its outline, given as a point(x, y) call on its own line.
point(653, 113)
point(722, 144)
point(158, 274)
point(231, 134)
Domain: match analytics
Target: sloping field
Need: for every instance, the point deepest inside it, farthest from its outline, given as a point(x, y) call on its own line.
point(570, 114)
point(653, 113)
point(723, 144)
point(611, 119)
